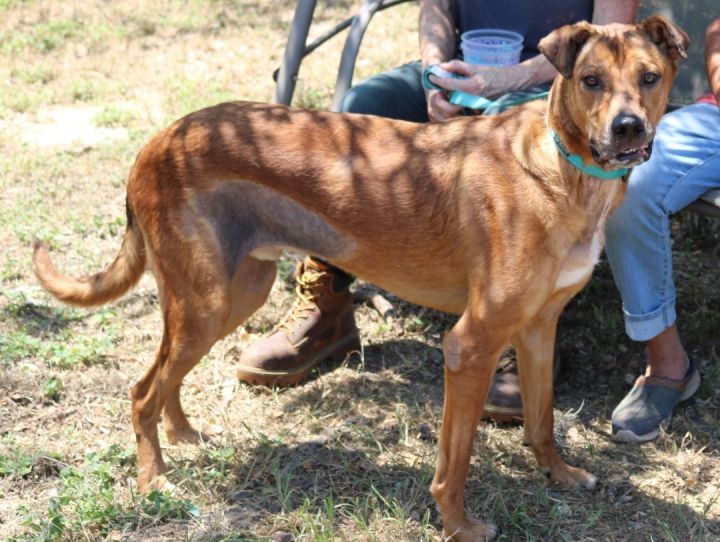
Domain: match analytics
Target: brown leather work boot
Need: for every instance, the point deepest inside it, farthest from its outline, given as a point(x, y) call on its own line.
point(319, 326)
point(504, 401)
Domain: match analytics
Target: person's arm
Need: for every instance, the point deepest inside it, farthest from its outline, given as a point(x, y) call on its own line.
point(712, 57)
point(437, 32)
point(491, 82)
point(614, 11)
point(437, 45)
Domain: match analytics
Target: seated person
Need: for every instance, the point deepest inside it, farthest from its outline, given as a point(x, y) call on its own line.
point(685, 163)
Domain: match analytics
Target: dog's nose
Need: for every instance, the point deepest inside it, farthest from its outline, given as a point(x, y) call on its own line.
point(627, 126)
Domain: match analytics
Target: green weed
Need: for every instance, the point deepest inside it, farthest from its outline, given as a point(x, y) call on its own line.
point(220, 460)
point(66, 352)
point(49, 334)
point(9, 4)
point(165, 507)
point(318, 519)
point(17, 464)
point(108, 228)
point(41, 37)
point(311, 98)
point(88, 504)
point(286, 269)
point(29, 100)
point(12, 269)
point(52, 388)
point(83, 90)
point(113, 116)
point(190, 95)
point(35, 74)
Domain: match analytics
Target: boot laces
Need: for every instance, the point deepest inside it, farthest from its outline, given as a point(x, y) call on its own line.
point(308, 290)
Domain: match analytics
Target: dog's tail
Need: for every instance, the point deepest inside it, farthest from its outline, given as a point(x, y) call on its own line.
point(123, 273)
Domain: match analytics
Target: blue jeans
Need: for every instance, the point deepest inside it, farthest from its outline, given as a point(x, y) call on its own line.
point(685, 163)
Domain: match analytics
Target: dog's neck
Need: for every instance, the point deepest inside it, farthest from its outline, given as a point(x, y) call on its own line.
point(559, 187)
point(560, 119)
point(591, 169)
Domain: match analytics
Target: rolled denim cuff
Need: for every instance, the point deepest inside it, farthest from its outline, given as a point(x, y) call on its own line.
point(643, 327)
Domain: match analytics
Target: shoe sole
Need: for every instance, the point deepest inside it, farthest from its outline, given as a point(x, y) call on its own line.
point(502, 415)
point(627, 436)
point(337, 351)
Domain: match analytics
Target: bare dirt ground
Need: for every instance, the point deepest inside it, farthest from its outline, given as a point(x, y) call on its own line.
point(349, 454)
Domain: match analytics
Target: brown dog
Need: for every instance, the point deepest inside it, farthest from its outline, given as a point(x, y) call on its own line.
point(482, 217)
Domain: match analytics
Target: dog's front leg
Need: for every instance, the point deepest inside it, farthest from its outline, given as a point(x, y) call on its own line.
point(535, 347)
point(469, 365)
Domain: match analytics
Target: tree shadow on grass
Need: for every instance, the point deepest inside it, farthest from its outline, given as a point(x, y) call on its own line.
point(283, 486)
point(361, 466)
point(42, 320)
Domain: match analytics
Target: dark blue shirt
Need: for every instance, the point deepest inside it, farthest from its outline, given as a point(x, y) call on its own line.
point(534, 19)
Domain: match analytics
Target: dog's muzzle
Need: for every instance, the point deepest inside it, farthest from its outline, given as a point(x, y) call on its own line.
point(628, 143)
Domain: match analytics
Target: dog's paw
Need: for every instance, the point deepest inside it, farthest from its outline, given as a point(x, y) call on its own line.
point(158, 482)
point(471, 530)
point(186, 436)
point(566, 476)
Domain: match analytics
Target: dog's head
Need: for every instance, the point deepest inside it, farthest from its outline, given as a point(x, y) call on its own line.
point(614, 86)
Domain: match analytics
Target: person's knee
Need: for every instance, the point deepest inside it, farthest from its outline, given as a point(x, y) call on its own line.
point(647, 186)
point(363, 98)
point(396, 94)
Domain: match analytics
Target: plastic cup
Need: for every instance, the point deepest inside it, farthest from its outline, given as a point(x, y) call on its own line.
point(491, 47)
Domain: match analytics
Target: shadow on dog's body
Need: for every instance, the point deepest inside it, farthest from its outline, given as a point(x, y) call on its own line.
point(479, 216)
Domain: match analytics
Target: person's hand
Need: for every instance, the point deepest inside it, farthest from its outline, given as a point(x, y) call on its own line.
point(439, 109)
point(486, 81)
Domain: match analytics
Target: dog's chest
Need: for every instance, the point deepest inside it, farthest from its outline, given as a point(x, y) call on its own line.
point(580, 262)
point(585, 253)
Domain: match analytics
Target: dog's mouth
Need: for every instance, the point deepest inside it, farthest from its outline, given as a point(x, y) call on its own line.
point(634, 156)
point(627, 157)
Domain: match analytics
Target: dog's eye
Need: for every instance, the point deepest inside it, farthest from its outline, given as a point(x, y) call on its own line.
point(650, 78)
point(591, 81)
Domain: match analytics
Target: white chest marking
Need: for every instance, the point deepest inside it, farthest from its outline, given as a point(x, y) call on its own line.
point(582, 258)
point(579, 263)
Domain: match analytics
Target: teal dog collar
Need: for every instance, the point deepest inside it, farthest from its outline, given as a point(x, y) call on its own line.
point(592, 170)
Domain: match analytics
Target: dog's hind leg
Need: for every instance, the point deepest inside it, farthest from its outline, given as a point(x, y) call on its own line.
point(175, 358)
point(195, 300)
point(249, 289)
point(535, 346)
point(470, 360)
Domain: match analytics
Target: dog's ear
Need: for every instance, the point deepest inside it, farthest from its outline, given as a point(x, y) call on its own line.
point(562, 46)
point(666, 35)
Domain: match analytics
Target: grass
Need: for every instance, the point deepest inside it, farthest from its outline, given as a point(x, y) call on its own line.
point(40, 38)
point(87, 501)
point(348, 455)
point(111, 116)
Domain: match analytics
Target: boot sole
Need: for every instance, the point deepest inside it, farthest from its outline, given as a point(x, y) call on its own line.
point(502, 415)
point(337, 351)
